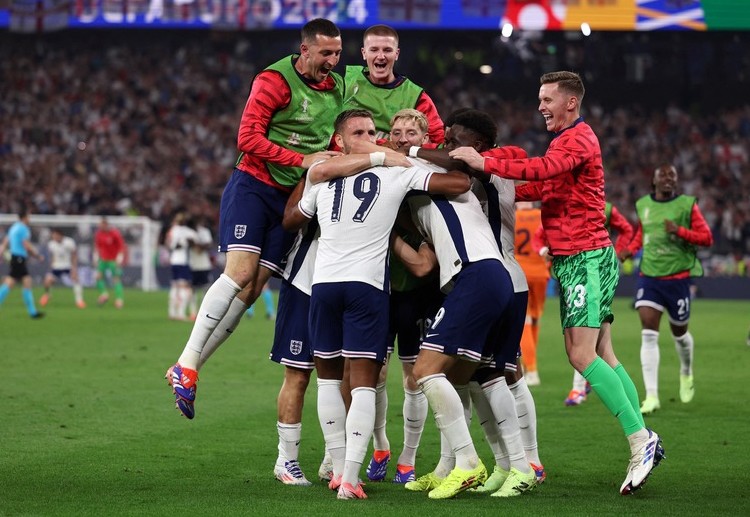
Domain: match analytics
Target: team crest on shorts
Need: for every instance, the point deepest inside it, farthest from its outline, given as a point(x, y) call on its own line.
point(239, 230)
point(295, 346)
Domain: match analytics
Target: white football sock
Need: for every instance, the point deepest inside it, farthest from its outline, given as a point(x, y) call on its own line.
point(415, 415)
point(214, 307)
point(172, 302)
point(684, 346)
point(78, 292)
point(449, 417)
point(650, 361)
point(489, 425)
point(504, 408)
point(224, 329)
point(447, 458)
point(379, 439)
point(526, 410)
point(332, 418)
point(289, 438)
point(579, 382)
point(359, 426)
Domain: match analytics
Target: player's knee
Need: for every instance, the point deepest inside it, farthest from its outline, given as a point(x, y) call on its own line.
point(296, 380)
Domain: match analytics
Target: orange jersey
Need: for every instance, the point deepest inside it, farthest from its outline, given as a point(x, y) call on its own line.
point(527, 223)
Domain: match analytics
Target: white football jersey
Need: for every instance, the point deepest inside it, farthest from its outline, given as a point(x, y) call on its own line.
point(300, 261)
point(61, 253)
point(356, 215)
point(178, 242)
point(200, 258)
point(498, 199)
point(458, 230)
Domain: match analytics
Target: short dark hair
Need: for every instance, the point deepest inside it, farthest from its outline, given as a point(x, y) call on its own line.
point(348, 115)
point(319, 26)
point(381, 30)
point(479, 122)
point(570, 82)
point(451, 118)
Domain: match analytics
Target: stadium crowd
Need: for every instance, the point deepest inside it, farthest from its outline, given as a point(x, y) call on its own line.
point(146, 123)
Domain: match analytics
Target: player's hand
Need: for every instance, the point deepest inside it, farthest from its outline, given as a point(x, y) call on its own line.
point(670, 226)
point(470, 156)
point(624, 255)
point(396, 159)
point(309, 159)
point(365, 147)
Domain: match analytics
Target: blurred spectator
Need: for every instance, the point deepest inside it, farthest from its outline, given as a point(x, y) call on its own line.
point(141, 122)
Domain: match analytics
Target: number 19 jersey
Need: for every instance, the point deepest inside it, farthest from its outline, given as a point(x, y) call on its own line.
point(356, 215)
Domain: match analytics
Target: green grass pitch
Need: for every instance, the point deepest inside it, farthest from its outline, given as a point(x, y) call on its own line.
point(88, 423)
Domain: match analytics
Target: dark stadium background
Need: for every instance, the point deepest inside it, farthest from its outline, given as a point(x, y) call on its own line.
point(158, 109)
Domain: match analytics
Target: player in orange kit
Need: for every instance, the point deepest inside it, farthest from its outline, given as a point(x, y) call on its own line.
point(536, 268)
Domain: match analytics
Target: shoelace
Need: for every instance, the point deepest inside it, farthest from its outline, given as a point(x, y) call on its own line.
point(293, 468)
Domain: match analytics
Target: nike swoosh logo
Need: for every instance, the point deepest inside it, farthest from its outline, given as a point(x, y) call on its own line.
point(431, 335)
point(212, 318)
point(410, 420)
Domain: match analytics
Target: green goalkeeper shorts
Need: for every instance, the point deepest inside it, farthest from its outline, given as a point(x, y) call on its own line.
point(587, 287)
point(110, 266)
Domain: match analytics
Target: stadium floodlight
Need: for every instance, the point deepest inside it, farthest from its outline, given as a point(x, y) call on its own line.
point(507, 30)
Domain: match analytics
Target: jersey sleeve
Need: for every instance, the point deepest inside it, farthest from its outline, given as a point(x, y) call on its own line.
point(269, 94)
point(436, 128)
point(566, 155)
point(529, 192)
point(308, 203)
point(699, 233)
point(506, 152)
point(636, 243)
point(624, 230)
point(416, 178)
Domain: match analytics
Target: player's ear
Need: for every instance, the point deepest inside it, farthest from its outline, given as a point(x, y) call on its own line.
point(364, 58)
point(339, 140)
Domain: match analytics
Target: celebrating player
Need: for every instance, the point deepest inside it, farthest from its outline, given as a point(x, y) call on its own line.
point(351, 267)
point(569, 180)
point(286, 125)
point(671, 227)
point(379, 89)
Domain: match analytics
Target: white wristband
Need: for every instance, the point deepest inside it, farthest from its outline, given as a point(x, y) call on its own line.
point(413, 151)
point(377, 158)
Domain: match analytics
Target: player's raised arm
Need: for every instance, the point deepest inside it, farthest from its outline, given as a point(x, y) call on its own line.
point(421, 262)
point(451, 183)
point(294, 218)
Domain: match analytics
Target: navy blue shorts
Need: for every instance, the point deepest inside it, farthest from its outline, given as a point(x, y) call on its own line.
point(482, 292)
point(411, 313)
point(670, 295)
point(291, 343)
point(182, 273)
point(201, 277)
point(503, 346)
point(61, 274)
point(250, 220)
point(349, 319)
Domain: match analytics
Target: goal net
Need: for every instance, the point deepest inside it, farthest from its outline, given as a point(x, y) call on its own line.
point(141, 236)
